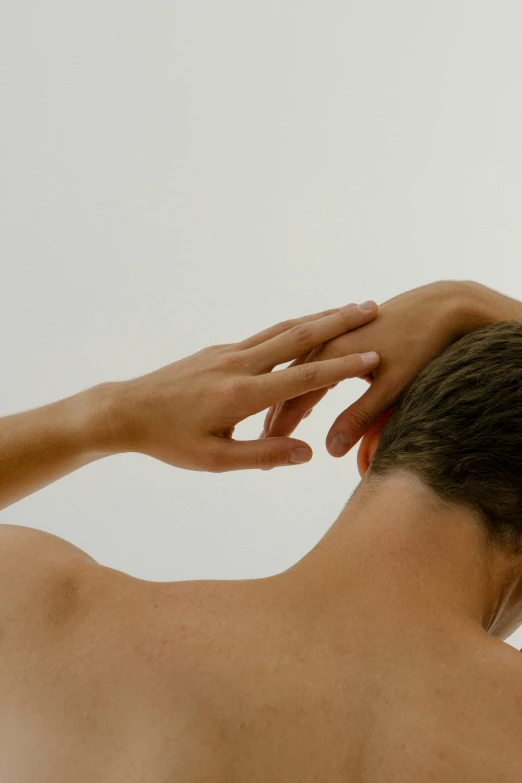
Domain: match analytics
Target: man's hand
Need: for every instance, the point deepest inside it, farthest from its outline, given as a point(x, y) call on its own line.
point(184, 414)
point(409, 331)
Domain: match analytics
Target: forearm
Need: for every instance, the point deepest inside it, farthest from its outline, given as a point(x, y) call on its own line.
point(40, 446)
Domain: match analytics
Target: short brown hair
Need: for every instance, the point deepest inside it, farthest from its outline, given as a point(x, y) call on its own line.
point(458, 427)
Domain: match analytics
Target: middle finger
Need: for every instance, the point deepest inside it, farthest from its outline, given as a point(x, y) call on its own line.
point(301, 338)
point(285, 416)
point(274, 410)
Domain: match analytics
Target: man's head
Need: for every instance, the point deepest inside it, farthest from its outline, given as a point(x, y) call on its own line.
point(458, 428)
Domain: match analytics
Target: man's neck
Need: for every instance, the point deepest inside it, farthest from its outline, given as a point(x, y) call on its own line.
point(401, 553)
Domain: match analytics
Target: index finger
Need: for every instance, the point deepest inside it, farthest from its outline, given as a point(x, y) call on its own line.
point(302, 337)
point(273, 331)
point(287, 414)
point(269, 388)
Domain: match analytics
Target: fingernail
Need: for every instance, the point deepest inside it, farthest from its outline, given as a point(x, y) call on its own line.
point(347, 307)
point(369, 305)
point(263, 434)
point(340, 444)
point(300, 455)
point(369, 357)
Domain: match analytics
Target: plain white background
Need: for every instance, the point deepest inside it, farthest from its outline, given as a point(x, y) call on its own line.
point(179, 174)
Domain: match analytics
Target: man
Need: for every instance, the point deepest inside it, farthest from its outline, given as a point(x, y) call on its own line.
point(377, 657)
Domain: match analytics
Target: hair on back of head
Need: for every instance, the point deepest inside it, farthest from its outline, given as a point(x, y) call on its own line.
point(458, 427)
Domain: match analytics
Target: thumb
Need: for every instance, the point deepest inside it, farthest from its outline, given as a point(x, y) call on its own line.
point(358, 417)
point(264, 454)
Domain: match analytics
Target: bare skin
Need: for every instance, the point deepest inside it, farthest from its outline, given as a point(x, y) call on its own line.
point(377, 657)
point(293, 678)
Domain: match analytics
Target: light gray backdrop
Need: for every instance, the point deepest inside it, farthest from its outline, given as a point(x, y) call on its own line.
point(178, 174)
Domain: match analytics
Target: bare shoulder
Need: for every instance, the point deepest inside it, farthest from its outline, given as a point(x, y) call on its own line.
point(46, 579)
point(20, 545)
point(40, 576)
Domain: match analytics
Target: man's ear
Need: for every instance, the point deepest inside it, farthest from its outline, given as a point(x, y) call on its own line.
point(370, 441)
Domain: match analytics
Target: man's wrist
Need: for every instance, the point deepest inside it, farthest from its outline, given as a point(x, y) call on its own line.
point(96, 420)
point(477, 306)
point(41, 445)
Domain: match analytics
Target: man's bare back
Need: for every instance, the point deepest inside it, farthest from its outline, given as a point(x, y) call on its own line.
point(109, 678)
point(105, 677)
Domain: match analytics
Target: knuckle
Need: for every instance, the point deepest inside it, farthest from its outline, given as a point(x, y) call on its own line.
point(305, 373)
point(214, 349)
point(216, 461)
point(229, 359)
point(212, 467)
point(350, 315)
point(236, 388)
point(210, 461)
point(327, 351)
point(266, 459)
point(293, 405)
point(215, 468)
point(301, 333)
point(285, 325)
point(302, 402)
point(358, 419)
